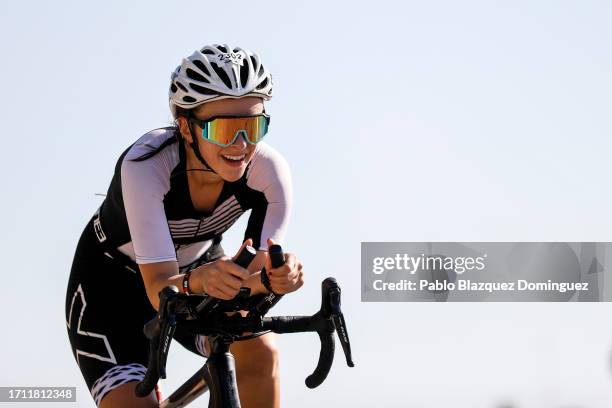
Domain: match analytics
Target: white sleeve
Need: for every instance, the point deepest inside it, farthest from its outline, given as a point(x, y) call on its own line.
point(144, 185)
point(270, 174)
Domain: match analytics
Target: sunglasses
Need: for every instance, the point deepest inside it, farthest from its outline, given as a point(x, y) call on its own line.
point(224, 130)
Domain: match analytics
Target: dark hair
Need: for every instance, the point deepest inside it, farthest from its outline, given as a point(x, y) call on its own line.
point(176, 136)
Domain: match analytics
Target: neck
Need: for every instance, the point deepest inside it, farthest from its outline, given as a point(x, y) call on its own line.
point(198, 176)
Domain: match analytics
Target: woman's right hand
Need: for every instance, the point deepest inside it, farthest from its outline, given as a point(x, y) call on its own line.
point(221, 279)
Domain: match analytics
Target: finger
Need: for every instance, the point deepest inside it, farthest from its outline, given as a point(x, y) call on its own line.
point(290, 265)
point(236, 270)
point(248, 242)
point(215, 292)
point(268, 263)
point(283, 280)
point(300, 282)
point(288, 286)
point(293, 274)
point(288, 269)
point(232, 281)
point(290, 260)
point(223, 291)
point(279, 287)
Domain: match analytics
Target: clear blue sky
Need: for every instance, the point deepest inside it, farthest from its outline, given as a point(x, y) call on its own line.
point(402, 121)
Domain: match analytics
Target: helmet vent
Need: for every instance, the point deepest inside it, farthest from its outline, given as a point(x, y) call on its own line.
point(208, 52)
point(173, 88)
point(202, 90)
point(263, 84)
point(202, 67)
point(183, 88)
point(261, 70)
point(191, 74)
point(244, 74)
point(222, 74)
point(189, 99)
point(221, 48)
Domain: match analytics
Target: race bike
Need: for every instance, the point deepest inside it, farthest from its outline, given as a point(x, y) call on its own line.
point(219, 320)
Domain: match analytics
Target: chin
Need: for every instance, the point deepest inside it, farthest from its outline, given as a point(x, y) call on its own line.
point(232, 178)
point(232, 175)
point(232, 172)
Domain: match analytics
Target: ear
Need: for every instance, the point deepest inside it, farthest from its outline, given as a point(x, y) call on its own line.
point(183, 125)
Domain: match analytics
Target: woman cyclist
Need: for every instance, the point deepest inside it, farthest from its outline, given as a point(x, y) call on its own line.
point(174, 192)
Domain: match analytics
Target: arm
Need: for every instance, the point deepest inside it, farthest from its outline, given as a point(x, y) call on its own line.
point(221, 279)
point(270, 194)
point(157, 276)
point(269, 179)
point(143, 186)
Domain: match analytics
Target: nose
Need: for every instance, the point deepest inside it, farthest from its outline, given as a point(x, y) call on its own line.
point(240, 140)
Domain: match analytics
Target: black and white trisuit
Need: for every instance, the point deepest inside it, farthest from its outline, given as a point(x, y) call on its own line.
point(148, 217)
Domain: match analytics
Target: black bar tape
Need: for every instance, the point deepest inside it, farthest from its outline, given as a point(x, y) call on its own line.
point(147, 384)
point(326, 358)
point(290, 324)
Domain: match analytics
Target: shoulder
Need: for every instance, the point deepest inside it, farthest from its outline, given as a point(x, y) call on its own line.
point(149, 162)
point(269, 173)
point(150, 142)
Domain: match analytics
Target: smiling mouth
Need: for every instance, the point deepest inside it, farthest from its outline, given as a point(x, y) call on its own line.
point(238, 158)
point(234, 160)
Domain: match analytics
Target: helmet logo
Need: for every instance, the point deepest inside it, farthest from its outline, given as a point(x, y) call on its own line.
point(231, 57)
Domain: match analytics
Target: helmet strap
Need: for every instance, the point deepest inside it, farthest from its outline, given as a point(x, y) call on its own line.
point(196, 148)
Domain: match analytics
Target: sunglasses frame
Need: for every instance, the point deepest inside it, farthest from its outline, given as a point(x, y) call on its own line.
point(203, 124)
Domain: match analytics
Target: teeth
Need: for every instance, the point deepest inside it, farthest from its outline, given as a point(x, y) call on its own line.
point(234, 158)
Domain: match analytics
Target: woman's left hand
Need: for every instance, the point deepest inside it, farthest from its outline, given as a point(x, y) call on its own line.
point(287, 278)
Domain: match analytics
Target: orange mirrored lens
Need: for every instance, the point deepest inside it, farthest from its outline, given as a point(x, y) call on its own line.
point(224, 130)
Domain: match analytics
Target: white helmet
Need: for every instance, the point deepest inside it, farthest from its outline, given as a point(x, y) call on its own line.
point(218, 72)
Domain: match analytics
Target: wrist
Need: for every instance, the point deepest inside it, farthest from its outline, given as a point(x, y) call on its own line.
point(186, 288)
point(265, 281)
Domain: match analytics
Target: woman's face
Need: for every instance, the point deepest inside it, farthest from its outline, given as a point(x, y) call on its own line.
point(217, 157)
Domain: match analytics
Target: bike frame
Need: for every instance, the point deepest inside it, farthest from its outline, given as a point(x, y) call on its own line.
point(219, 369)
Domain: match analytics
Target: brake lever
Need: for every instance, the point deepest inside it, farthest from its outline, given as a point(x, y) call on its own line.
point(153, 327)
point(340, 326)
point(167, 334)
point(159, 331)
point(331, 309)
point(168, 318)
